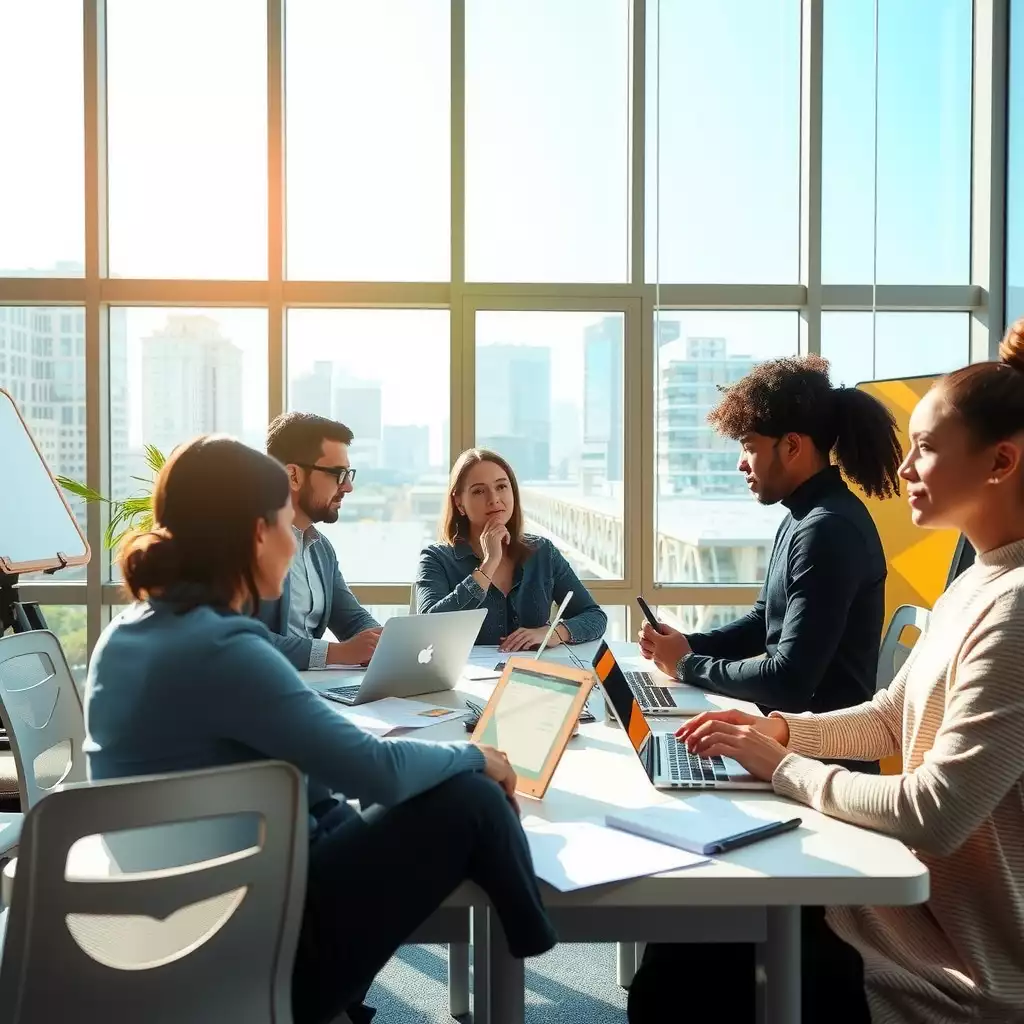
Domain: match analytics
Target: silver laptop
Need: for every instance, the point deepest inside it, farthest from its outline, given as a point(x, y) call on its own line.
point(653, 697)
point(415, 654)
point(669, 765)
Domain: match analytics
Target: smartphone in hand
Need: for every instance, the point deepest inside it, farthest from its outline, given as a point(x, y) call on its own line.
point(649, 615)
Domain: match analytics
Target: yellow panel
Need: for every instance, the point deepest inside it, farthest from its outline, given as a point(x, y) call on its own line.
point(918, 560)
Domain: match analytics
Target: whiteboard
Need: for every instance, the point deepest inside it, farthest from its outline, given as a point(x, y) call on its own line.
point(36, 522)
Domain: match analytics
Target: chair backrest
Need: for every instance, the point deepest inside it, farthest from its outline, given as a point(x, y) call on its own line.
point(41, 710)
point(894, 652)
point(206, 943)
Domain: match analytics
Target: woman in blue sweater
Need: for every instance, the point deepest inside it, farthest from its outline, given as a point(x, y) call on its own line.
point(186, 679)
point(484, 560)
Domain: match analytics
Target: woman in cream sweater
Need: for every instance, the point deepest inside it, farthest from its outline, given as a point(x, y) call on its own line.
point(955, 713)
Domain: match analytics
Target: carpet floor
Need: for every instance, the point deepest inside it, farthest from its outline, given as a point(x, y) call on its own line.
point(573, 984)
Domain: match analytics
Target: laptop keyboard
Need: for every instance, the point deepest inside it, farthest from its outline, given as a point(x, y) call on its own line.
point(341, 694)
point(649, 696)
point(679, 765)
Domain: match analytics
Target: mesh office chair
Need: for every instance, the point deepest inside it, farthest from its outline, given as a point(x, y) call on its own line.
point(41, 710)
point(204, 942)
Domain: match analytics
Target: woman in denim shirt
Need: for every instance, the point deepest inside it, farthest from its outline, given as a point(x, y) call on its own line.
point(484, 560)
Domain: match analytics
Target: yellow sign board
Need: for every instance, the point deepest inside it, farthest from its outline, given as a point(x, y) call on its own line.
point(918, 560)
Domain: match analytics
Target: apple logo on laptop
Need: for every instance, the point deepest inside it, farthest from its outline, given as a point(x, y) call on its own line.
point(425, 655)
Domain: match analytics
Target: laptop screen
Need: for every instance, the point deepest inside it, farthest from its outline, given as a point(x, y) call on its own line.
point(617, 690)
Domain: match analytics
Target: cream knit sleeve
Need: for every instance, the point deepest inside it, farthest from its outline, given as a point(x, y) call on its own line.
point(864, 733)
point(977, 756)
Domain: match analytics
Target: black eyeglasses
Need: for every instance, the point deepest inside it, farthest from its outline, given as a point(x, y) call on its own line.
point(341, 474)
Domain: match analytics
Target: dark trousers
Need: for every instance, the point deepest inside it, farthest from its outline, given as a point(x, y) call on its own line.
point(716, 982)
point(376, 877)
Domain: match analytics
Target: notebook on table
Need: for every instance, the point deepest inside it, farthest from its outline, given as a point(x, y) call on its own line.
point(706, 824)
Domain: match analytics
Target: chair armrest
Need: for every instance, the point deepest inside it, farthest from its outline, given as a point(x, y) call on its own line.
point(7, 881)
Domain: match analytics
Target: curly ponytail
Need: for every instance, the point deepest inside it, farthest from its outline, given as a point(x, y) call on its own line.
point(867, 446)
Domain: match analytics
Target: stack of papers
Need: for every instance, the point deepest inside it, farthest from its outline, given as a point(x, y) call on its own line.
point(383, 716)
point(579, 854)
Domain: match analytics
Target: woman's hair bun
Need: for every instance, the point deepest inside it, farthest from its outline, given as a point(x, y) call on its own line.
point(1011, 348)
point(149, 561)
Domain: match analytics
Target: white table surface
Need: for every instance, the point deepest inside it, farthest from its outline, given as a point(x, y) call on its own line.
point(824, 862)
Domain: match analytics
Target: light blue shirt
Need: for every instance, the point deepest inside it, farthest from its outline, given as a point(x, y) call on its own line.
point(306, 610)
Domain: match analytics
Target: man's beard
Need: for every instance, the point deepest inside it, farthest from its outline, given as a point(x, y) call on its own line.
point(317, 513)
point(772, 491)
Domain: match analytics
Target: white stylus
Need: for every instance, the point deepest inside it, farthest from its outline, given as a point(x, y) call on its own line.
point(554, 624)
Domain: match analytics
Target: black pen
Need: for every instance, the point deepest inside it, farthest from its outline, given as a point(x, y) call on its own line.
point(745, 838)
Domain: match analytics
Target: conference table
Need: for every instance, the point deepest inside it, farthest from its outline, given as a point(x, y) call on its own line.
point(753, 894)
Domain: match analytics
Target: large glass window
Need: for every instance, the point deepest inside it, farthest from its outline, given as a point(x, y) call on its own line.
point(896, 146)
point(549, 398)
point(68, 623)
point(42, 212)
point(547, 114)
point(1015, 170)
point(384, 374)
point(42, 367)
point(368, 142)
point(880, 346)
point(427, 260)
point(187, 138)
point(723, 141)
point(709, 529)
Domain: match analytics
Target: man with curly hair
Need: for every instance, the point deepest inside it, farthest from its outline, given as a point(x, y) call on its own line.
point(811, 641)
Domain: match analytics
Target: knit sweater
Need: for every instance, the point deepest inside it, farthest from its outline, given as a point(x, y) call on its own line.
point(956, 713)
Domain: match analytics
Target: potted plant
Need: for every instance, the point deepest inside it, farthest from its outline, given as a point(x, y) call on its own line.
point(134, 513)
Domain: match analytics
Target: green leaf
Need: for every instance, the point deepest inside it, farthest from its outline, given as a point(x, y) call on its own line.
point(80, 490)
point(155, 458)
point(137, 506)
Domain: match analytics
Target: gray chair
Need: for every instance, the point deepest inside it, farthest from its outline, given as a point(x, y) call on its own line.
point(41, 709)
point(893, 652)
point(205, 942)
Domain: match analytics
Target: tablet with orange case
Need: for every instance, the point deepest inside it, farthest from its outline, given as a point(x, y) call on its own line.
point(531, 716)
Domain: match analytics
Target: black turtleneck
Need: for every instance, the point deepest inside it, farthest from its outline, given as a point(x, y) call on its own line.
point(818, 621)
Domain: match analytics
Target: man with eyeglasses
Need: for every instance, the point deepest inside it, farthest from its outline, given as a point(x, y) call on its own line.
point(314, 451)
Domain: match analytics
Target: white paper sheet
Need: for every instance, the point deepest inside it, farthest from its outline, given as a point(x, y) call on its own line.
point(485, 654)
point(371, 725)
point(480, 672)
point(579, 854)
point(383, 716)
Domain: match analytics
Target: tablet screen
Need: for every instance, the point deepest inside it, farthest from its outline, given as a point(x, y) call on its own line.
point(528, 718)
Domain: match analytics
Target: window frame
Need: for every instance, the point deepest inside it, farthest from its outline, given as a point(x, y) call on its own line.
point(97, 291)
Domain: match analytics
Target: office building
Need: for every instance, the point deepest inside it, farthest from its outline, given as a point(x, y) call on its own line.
point(406, 448)
point(311, 392)
point(358, 404)
point(566, 440)
point(192, 380)
point(602, 401)
point(693, 459)
point(42, 366)
point(513, 401)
